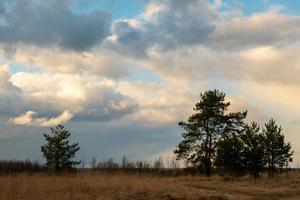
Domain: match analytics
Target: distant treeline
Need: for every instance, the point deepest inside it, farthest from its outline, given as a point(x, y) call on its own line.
point(18, 166)
point(125, 166)
point(109, 165)
point(160, 167)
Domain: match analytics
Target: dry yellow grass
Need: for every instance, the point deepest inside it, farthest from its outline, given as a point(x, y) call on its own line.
point(103, 186)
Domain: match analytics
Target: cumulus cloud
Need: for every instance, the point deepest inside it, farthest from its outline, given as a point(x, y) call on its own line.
point(102, 62)
point(171, 24)
point(210, 43)
point(261, 47)
point(259, 29)
point(262, 64)
point(52, 23)
point(164, 24)
point(159, 103)
point(60, 97)
point(29, 119)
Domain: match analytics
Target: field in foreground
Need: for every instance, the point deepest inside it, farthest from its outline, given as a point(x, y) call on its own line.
point(103, 186)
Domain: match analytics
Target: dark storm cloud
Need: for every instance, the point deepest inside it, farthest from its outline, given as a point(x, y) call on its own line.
point(52, 23)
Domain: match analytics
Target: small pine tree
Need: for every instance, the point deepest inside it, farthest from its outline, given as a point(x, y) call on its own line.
point(57, 151)
point(278, 153)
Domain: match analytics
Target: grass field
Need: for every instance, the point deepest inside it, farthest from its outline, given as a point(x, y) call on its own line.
point(88, 185)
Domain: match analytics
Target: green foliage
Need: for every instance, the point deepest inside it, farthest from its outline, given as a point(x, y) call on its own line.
point(277, 152)
point(204, 129)
point(253, 151)
point(212, 135)
point(57, 151)
point(229, 154)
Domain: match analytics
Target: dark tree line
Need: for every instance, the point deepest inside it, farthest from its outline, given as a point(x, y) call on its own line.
point(216, 138)
point(17, 166)
point(158, 167)
point(158, 164)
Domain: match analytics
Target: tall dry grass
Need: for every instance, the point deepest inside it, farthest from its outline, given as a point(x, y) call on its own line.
point(97, 185)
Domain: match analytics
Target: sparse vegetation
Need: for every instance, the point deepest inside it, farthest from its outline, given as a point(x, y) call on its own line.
point(107, 186)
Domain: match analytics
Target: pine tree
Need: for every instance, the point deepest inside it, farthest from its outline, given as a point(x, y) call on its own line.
point(57, 151)
point(204, 129)
point(278, 153)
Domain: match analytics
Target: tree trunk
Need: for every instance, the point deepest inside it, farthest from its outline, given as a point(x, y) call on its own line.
point(208, 168)
point(256, 174)
point(272, 170)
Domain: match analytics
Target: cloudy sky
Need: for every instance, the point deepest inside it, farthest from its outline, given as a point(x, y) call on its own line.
point(121, 74)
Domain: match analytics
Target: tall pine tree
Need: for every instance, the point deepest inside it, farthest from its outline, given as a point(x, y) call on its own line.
point(204, 129)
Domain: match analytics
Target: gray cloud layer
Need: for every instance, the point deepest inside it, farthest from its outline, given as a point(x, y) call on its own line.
point(50, 23)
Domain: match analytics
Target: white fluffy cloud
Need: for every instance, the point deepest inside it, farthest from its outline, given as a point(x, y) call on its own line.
point(259, 29)
point(29, 119)
point(103, 62)
point(260, 64)
point(45, 99)
point(159, 103)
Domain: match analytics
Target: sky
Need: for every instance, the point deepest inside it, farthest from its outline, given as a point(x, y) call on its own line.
point(120, 74)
